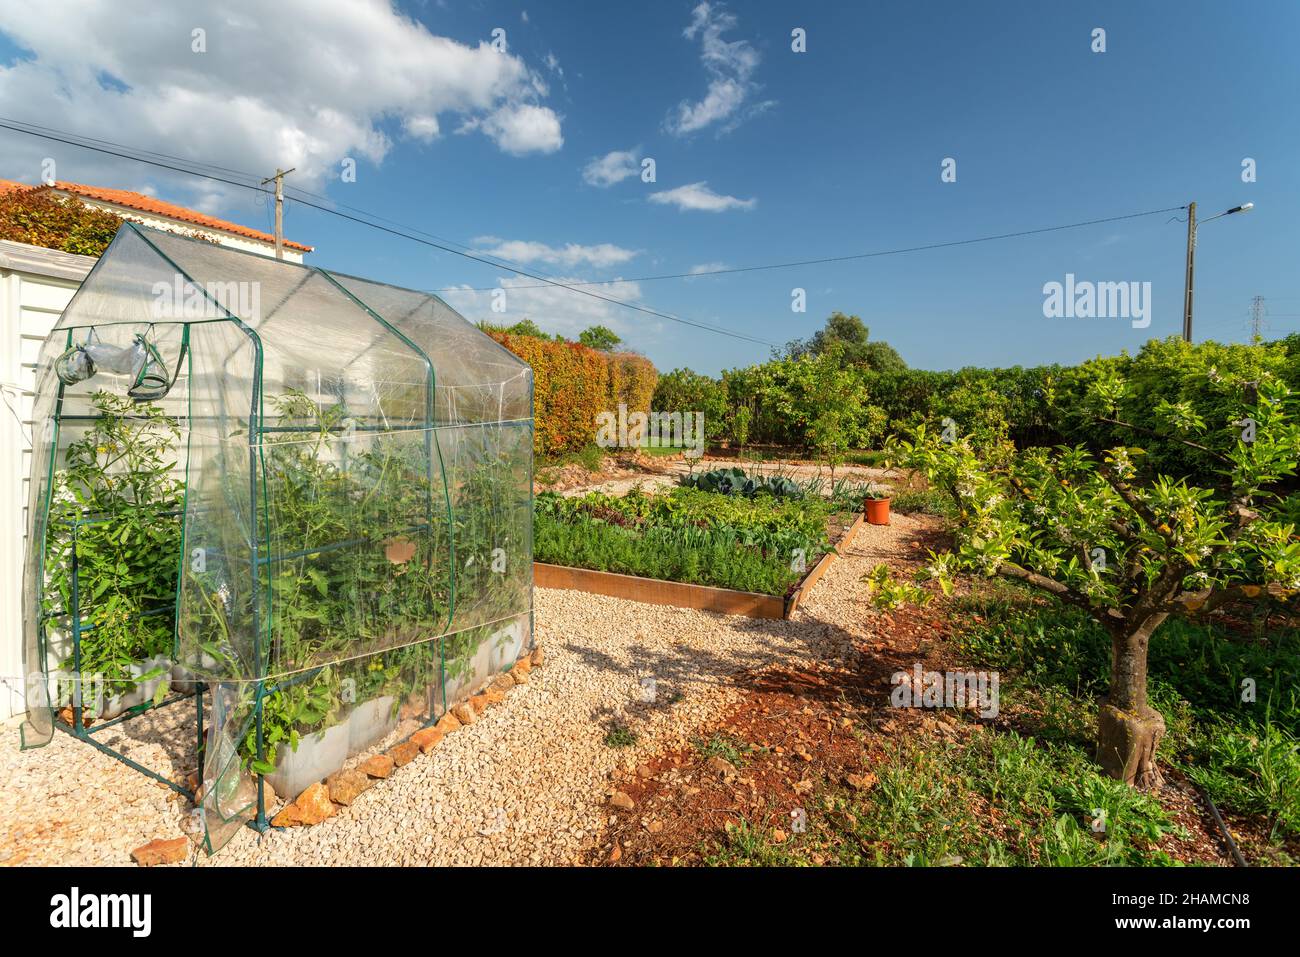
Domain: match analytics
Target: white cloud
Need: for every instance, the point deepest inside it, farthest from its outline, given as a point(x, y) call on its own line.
point(707, 268)
point(571, 254)
point(520, 128)
point(730, 66)
point(297, 83)
point(698, 196)
point(613, 167)
point(559, 310)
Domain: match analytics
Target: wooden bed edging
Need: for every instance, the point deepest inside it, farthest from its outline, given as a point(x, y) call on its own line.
point(656, 591)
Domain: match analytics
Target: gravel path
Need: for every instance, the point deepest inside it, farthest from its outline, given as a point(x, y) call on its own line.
point(526, 784)
point(676, 468)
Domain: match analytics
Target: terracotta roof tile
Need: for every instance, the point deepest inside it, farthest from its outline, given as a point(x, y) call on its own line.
point(148, 204)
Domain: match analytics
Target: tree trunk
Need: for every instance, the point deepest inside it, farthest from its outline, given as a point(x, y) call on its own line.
point(1128, 729)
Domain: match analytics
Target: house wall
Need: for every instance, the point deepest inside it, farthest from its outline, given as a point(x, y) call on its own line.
point(35, 286)
point(229, 240)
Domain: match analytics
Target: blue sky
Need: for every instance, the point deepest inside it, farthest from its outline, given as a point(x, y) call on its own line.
point(830, 152)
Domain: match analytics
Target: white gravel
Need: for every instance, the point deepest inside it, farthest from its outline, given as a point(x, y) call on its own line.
point(526, 784)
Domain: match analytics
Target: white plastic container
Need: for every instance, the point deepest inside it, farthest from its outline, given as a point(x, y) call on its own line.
point(370, 721)
point(148, 688)
point(318, 756)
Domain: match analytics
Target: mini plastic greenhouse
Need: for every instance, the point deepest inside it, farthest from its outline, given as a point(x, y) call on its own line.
point(300, 497)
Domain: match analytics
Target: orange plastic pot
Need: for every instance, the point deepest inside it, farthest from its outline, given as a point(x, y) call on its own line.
point(877, 511)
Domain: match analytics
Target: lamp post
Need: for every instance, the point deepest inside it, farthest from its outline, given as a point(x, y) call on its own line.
point(1192, 226)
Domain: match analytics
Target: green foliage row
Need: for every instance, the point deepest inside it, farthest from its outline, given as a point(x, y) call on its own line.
point(822, 401)
point(736, 481)
point(685, 535)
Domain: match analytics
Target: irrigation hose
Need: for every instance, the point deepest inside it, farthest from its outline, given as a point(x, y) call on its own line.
point(1223, 828)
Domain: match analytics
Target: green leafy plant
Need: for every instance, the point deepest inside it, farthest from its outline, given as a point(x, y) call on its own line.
point(118, 497)
point(685, 535)
point(1130, 552)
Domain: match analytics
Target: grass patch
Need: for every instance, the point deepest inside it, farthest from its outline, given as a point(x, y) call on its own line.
point(928, 501)
point(727, 747)
point(619, 736)
point(589, 457)
point(1245, 754)
point(997, 799)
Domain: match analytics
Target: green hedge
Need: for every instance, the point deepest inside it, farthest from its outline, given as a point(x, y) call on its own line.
point(771, 403)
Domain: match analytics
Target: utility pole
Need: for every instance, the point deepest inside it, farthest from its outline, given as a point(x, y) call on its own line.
point(1191, 272)
point(1192, 226)
point(1257, 319)
point(279, 176)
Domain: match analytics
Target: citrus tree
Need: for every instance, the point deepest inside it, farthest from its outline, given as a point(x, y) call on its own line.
point(1130, 548)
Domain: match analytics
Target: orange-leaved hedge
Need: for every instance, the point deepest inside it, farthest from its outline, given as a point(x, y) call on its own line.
point(632, 380)
point(572, 384)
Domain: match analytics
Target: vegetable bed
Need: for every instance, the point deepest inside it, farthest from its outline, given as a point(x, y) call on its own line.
point(764, 544)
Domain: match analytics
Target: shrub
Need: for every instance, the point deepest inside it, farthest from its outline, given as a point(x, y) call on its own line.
point(570, 387)
point(39, 218)
point(572, 384)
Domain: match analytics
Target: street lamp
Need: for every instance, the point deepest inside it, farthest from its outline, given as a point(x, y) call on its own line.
point(1191, 258)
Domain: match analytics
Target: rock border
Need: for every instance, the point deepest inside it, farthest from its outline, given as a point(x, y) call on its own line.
point(322, 800)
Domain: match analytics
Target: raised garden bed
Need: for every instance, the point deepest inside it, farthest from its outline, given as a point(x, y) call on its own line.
point(637, 532)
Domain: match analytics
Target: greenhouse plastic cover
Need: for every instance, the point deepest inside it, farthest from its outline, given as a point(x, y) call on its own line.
point(356, 518)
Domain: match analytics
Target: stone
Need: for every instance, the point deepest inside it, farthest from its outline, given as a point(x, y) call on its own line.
point(162, 851)
point(404, 753)
point(377, 766)
point(654, 827)
point(480, 703)
point(778, 836)
point(495, 695)
point(448, 723)
point(860, 782)
point(622, 801)
point(346, 786)
point(503, 683)
point(312, 807)
point(721, 767)
point(643, 771)
point(523, 665)
point(519, 674)
point(465, 713)
point(537, 657)
point(427, 739)
point(616, 855)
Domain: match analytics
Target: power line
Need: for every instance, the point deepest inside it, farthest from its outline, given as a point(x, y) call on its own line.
point(542, 280)
point(839, 259)
point(254, 178)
